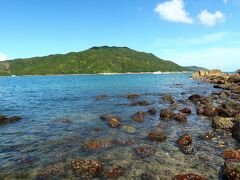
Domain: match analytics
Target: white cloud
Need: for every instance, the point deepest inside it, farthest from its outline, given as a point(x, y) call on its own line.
point(173, 10)
point(3, 57)
point(210, 19)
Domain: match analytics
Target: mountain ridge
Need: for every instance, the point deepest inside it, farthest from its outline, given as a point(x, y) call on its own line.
point(95, 60)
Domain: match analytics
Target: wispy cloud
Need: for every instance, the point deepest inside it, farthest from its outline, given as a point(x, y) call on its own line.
point(3, 56)
point(174, 11)
point(191, 41)
point(210, 19)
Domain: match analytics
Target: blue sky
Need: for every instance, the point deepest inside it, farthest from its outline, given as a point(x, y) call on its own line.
point(188, 32)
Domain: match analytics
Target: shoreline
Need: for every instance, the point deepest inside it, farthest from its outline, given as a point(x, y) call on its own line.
point(104, 74)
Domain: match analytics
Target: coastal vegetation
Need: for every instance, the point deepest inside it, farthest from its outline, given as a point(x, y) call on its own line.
point(92, 61)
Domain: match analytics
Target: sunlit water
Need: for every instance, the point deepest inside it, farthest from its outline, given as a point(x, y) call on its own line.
point(42, 139)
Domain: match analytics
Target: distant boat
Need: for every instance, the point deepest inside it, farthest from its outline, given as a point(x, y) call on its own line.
point(14, 75)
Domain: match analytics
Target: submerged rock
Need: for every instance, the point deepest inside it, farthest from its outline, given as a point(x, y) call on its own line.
point(187, 149)
point(87, 168)
point(51, 171)
point(113, 121)
point(157, 135)
point(180, 117)
point(167, 98)
point(207, 136)
point(133, 96)
point(96, 145)
point(128, 129)
point(6, 120)
point(185, 140)
point(144, 151)
point(139, 116)
point(147, 176)
point(166, 114)
point(152, 111)
point(188, 177)
point(113, 173)
point(186, 111)
point(100, 97)
point(222, 123)
point(140, 103)
point(231, 170)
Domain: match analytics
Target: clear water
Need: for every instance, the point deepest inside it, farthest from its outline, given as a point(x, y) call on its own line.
point(41, 139)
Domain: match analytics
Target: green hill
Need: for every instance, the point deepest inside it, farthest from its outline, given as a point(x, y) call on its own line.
point(195, 68)
point(94, 60)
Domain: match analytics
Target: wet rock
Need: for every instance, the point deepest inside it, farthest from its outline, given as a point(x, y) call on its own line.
point(133, 96)
point(166, 114)
point(144, 151)
point(194, 98)
point(113, 121)
point(226, 112)
point(97, 129)
point(208, 110)
point(152, 111)
point(188, 177)
point(100, 97)
point(96, 145)
point(207, 136)
point(231, 170)
point(139, 116)
point(185, 140)
point(234, 79)
point(113, 173)
point(222, 123)
point(51, 171)
point(224, 95)
point(187, 149)
point(231, 154)
point(128, 129)
point(167, 98)
point(186, 111)
point(236, 131)
point(87, 168)
point(140, 103)
point(157, 135)
point(6, 120)
point(180, 117)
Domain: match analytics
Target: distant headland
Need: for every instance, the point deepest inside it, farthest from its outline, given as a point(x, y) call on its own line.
point(96, 60)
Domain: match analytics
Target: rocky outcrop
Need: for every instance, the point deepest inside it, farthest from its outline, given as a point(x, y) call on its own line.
point(157, 136)
point(139, 116)
point(113, 121)
point(166, 114)
point(222, 123)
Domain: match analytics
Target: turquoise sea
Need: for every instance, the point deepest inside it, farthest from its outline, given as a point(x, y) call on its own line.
point(61, 113)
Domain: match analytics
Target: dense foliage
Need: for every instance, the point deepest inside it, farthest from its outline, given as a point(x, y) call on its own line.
point(95, 60)
point(195, 68)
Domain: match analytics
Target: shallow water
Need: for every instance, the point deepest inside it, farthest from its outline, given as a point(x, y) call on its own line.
point(43, 138)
